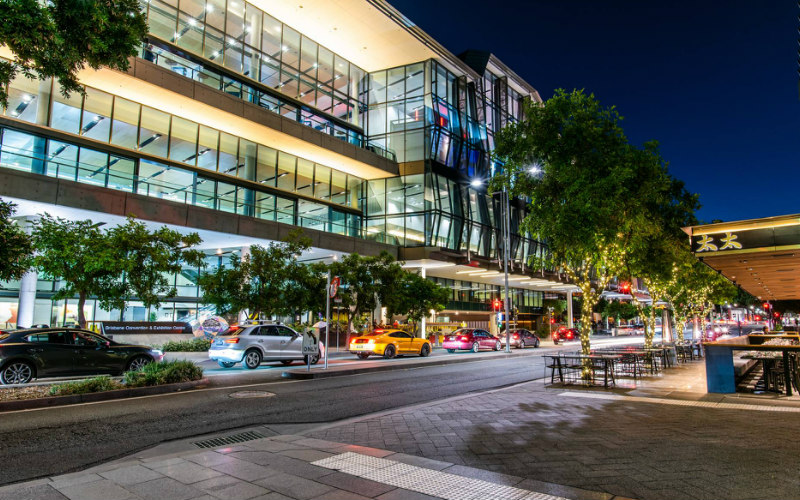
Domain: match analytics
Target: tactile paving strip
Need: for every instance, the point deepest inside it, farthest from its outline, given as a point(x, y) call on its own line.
point(426, 481)
point(681, 402)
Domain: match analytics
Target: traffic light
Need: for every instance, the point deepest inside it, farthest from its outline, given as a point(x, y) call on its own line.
point(625, 287)
point(497, 305)
point(552, 320)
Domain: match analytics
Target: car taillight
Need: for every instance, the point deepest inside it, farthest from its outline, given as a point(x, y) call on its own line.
point(463, 338)
point(234, 340)
point(516, 336)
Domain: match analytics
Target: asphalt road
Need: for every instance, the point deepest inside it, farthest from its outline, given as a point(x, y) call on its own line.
point(51, 441)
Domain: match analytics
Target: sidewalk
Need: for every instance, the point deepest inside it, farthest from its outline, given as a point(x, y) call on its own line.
point(288, 467)
point(664, 439)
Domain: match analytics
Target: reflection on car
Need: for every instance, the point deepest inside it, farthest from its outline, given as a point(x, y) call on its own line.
point(252, 343)
point(389, 342)
point(60, 352)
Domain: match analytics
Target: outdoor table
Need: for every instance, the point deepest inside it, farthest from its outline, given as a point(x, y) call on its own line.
point(768, 362)
point(634, 357)
point(561, 362)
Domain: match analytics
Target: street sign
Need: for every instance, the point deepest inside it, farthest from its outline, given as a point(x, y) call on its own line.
point(310, 344)
point(334, 287)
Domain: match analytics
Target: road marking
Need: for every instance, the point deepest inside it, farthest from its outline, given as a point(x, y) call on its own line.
point(682, 402)
point(426, 481)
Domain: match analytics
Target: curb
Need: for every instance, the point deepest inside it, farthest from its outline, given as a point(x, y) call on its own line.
point(29, 404)
point(302, 374)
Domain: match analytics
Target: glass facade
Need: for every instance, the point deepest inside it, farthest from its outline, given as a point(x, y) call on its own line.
point(436, 120)
point(126, 124)
point(248, 41)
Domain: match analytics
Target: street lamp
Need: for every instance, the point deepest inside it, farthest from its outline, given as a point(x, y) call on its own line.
point(476, 183)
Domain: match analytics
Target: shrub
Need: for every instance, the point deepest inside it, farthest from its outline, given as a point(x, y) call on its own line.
point(168, 372)
point(96, 384)
point(194, 345)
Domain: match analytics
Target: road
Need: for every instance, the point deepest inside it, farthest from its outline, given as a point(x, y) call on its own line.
point(50, 441)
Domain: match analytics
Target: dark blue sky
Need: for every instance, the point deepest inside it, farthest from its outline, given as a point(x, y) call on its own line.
point(715, 82)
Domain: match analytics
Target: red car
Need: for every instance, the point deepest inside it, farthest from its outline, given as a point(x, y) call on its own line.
point(565, 334)
point(469, 339)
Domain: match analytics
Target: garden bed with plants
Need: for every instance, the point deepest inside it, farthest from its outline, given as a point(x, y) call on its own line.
point(154, 378)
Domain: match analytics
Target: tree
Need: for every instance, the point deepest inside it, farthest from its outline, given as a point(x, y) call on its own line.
point(416, 296)
point(15, 245)
point(58, 38)
point(152, 258)
point(91, 262)
point(365, 281)
point(588, 203)
point(78, 253)
point(265, 282)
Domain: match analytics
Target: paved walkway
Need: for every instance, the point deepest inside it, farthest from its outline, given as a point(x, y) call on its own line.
point(665, 438)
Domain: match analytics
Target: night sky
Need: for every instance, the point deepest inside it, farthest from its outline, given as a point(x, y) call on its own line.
point(715, 82)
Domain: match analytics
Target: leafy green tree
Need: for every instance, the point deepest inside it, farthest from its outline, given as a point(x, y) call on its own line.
point(79, 254)
point(588, 204)
point(151, 258)
point(365, 281)
point(15, 245)
point(415, 297)
point(58, 38)
point(91, 262)
point(263, 283)
point(306, 288)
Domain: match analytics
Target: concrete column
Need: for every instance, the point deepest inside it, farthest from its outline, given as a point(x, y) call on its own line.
point(27, 285)
point(422, 323)
point(570, 322)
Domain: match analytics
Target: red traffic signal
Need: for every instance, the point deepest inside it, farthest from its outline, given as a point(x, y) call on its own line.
point(777, 314)
point(625, 287)
point(497, 304)
point(767, 305)
point(552, 320)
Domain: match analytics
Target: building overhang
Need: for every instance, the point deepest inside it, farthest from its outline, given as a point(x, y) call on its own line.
point(760, 255)
point(370, 33)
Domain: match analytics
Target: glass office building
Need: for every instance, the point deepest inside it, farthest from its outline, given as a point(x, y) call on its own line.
point(342, 117)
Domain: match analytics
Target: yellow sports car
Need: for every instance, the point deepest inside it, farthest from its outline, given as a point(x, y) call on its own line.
point(388, 343)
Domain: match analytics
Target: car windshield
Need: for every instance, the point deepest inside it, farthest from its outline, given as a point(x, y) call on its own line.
point(232, 332)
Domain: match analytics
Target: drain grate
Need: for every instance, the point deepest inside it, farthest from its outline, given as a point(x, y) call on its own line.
point(233, 439)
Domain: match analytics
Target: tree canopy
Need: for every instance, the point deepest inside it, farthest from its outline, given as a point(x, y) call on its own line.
point(15, 245)
point(268, 281)
point(415, 296)
point(91, 262)
point(58, 38)
point(593, 202)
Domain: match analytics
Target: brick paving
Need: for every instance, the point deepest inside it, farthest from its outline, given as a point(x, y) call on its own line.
point(627, 448)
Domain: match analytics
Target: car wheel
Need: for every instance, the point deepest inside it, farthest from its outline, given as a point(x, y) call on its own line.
point(425, 351)
point(226, 364)
point(389, 352)
point(252, 359)
point(362, 355)
point(537, 343)
point(137, 363)
point(16, 372)
point(451, 351)
point(521, 344)
point(286, 362)
point(476, 347)
point(498, 346)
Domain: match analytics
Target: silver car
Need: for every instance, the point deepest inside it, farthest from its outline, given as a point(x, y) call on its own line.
point(253, 343)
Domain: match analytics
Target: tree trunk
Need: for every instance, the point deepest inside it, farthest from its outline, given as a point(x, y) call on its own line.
point(587, 305)
point(81, 303)
point(679, 324)
point(650, 328)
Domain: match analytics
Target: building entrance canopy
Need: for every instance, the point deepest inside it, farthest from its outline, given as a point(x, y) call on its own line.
point(760, 255)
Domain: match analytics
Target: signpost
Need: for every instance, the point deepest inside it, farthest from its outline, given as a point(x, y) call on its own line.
point(332, 288)
point(310, 347)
